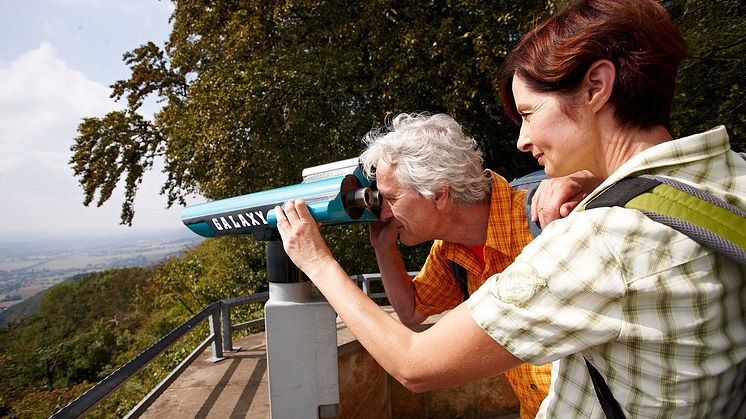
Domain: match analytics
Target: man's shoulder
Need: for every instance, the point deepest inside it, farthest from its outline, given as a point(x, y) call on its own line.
point(528, 181)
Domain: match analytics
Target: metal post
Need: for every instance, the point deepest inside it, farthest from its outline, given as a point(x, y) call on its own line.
point(366, 285)
point(301, 337)
point(217, 341)
point(225, 315)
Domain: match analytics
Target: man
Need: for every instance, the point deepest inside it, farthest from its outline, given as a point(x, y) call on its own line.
point(434, 187)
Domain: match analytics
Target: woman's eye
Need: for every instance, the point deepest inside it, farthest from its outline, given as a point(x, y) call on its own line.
point(526, 116)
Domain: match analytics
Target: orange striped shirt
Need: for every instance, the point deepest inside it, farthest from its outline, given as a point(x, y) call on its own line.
point(436, 289)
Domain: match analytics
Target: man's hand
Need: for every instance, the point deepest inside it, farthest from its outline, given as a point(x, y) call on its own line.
point(396, 281)
point(383, 234)
point(556, 198)
point(301, 237)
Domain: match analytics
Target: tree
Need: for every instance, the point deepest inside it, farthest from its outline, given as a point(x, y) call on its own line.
point(712, 88)
point(215, 269)
point(77, 336)
point(255, 91)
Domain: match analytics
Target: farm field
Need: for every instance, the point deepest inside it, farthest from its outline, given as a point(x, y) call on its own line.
point(30, 266)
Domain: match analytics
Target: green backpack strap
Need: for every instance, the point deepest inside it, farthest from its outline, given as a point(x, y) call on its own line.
point(706, 219)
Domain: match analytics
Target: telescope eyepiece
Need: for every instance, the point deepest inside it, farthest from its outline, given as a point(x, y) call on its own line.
point(376, 200)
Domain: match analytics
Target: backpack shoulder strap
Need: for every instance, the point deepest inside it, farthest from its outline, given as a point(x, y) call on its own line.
point(706, 219)
point(609, 404)
point(530, 183)
point(460, 274)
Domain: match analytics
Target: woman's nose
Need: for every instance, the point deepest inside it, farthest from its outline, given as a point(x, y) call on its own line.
point(524, 142)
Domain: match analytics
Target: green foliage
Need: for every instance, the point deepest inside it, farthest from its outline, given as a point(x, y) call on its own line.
point(73, 338)
point(21, 310)
point(88, 327)
point(712, 87)
point(122, 142)
point(255, 91)
point(215, 269)
point(42, 404)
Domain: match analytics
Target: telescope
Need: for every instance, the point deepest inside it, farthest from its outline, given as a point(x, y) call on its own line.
point(301, 336)
point(336, 193)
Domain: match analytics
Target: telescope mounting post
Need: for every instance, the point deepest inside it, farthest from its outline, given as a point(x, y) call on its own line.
point(301, 334)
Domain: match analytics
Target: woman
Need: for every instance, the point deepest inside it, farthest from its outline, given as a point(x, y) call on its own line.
point(659, 316)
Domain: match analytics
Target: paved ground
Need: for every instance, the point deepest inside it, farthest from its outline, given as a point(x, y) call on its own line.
point(233, 388)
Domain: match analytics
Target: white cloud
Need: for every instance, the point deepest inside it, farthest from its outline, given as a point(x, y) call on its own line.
point(41, 103)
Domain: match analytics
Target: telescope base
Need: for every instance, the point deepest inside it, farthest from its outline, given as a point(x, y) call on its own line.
point(302, 360)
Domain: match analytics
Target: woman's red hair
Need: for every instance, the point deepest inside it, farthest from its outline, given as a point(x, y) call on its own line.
point(638, 36)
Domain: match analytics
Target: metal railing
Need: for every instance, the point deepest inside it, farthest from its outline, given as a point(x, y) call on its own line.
point(113, 381)
point(364, 282)
point(220, 338)
point(228, 327)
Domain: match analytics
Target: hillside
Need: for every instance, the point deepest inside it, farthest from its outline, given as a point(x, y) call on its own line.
point(30, 306)
point(87, 326)
point(29, 267)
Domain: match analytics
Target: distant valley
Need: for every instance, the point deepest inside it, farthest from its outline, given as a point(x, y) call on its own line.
point(30, 266)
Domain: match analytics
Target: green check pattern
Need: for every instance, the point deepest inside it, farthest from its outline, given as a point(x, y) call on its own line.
point(662, 318)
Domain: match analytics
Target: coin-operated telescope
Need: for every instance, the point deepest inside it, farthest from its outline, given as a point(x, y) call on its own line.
point(301, 334)
point(300, 328)
point(336, 193)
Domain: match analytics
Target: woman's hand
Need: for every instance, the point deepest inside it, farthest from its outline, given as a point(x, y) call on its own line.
point(556, 198)
point(301, 237)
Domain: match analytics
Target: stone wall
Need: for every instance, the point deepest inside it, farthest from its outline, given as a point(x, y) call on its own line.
point(367, 391)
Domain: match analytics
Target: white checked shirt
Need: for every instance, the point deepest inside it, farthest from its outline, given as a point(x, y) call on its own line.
point(662, 318)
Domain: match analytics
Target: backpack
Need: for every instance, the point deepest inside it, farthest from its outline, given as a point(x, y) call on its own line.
point(530, 183)
point(706, 219)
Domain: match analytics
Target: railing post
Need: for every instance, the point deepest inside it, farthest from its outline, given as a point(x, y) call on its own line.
point(217, 341)
point(366, 284)
point(225, 315)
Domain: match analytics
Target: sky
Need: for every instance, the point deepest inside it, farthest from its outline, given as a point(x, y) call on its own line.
point(57, 61)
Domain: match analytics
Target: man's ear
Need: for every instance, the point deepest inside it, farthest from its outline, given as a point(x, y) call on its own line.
point(441, 198)
point(598, 84)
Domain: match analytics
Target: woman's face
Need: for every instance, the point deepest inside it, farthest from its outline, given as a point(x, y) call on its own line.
point(561, 144)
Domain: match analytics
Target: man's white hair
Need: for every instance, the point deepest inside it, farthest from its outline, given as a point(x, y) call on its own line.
point(429, 153)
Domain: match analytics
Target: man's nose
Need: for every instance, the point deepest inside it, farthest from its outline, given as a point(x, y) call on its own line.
point(386, 213)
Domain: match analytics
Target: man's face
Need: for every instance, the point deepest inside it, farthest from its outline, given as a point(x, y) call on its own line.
point(415, 217)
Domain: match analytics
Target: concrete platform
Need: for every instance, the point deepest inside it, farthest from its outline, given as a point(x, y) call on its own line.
point(233, 388)
point(237, 387)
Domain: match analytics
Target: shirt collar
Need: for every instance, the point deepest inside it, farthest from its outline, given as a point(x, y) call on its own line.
point(502, 200)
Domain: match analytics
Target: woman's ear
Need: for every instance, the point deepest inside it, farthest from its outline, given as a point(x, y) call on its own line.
point(599, 83)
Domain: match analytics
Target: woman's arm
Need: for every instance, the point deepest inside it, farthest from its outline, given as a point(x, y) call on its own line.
point(555, 198)
point(452, 352)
